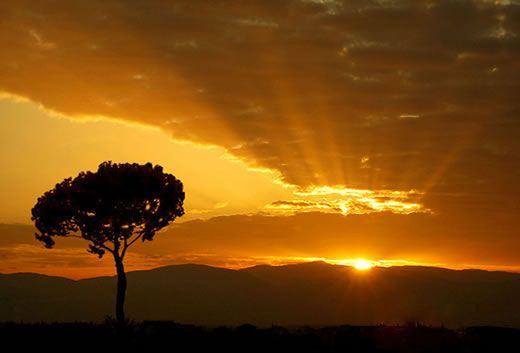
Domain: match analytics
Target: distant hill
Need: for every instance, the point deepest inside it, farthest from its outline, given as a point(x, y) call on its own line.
point(314, 293)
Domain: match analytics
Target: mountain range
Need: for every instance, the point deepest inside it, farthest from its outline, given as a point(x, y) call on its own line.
point(315, 293)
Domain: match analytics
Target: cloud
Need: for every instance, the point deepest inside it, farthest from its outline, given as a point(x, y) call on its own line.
point(206, 63)
point(248, 240)
point(345, 207)
point(305, 89)
point(338, 199)
point(352, 201)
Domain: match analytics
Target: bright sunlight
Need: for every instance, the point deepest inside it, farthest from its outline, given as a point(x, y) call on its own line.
point(362, 265)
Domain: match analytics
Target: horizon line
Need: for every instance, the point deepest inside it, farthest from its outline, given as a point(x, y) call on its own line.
point(236, 269)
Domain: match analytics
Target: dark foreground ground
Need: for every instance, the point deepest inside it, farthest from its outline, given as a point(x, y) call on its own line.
point(170, 336)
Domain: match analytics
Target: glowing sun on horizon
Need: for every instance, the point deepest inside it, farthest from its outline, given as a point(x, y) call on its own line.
point(362, 265)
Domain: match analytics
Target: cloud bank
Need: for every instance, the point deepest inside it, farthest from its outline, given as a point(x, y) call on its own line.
point(362, 95)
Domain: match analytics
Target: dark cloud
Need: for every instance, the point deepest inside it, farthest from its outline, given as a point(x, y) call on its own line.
point(308, 88)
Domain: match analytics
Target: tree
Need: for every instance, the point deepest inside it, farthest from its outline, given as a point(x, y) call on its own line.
point(112, 209)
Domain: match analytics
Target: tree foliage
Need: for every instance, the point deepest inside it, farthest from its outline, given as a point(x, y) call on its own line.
point(112, 208)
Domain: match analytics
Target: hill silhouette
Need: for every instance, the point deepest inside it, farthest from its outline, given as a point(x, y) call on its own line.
point(314, 293)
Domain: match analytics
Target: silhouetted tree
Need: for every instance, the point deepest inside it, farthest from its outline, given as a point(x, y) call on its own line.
point(112, 208)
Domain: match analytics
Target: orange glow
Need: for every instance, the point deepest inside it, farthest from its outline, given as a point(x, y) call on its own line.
point(69, 146)
point(362, 265)
point(317, 136)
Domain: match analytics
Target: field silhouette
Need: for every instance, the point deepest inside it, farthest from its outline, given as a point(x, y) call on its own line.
point(171, 336)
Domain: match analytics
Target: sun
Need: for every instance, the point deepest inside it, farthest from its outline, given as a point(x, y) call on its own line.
point(362, 265)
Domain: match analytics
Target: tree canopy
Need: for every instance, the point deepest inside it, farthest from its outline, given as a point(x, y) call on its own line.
point(112, 208)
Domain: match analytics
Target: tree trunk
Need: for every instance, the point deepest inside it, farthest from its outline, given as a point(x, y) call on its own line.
point(121, 291)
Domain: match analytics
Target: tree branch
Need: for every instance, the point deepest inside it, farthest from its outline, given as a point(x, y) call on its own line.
point(107, 248)
point(127, 245)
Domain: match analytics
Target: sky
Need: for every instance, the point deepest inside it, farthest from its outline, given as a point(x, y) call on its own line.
point(302, 129)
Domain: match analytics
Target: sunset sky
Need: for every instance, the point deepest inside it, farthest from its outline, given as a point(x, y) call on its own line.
point(383, 130)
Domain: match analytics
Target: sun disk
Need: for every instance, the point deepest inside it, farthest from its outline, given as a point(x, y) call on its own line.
point(362, 265)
